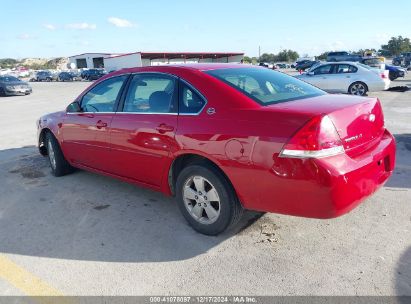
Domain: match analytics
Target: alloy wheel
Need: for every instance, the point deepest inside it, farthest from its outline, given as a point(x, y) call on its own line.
point(201, 200)
point(358, 89)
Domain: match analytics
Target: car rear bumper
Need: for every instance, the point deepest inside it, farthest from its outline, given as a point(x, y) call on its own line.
point(327, 187)
point(379, 85)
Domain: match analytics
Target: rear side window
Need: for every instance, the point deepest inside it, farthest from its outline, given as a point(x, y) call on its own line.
point(266, 86)
point(190, 101)
point(346, 68)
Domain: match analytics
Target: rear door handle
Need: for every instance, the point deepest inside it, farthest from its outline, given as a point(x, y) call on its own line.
point(163, 128)
point(100, 124)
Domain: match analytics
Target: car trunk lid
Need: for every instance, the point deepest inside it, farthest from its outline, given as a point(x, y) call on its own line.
point(359, 121)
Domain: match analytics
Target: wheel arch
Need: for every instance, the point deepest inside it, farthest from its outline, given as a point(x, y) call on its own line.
point(191, 158)
point(42, 141)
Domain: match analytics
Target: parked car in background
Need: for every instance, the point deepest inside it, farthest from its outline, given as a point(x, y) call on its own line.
point(374, 62)
point(65, 76)
point(76, 75)
point(403, 60)
point(342, 56)
point(271, 66)
point(93, 74)
point(395, 71)
point(297, 150)
point(283, 65)
point(43, 76)
point(10, 85)
point(347, 77)
point(305, 64)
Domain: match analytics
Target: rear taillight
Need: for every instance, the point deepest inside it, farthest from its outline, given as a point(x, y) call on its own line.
point(318, 138)
point(383, 76)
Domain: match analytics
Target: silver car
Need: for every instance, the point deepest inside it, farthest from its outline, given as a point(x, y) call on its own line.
point(347, 77)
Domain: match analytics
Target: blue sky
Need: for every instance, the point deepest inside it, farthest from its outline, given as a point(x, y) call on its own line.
point(62, 28)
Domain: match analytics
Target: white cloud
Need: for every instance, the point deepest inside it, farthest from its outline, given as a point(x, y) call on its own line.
point(50, 27)
point(25, 36)
point(118, 22)
point(81, 26)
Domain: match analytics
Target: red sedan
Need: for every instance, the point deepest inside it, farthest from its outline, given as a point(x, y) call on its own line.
point(223, 138)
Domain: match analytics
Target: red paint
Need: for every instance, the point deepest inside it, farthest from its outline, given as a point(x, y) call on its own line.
point(244, 140)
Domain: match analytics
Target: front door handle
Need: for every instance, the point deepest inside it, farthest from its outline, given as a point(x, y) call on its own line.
point(163, 128)
point(100, 124)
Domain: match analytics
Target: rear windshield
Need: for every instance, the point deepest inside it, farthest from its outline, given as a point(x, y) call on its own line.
point(266, 86)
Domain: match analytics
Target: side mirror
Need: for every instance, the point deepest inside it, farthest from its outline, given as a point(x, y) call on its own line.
point(74, 107)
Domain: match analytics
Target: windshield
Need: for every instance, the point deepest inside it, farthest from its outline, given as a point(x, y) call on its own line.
point(266, 86)
point(8, 79)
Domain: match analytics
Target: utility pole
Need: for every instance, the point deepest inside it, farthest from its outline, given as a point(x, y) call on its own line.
point(259, 53)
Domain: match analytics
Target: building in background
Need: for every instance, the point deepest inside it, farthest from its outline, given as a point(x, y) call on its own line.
point(89, 60)
point(113, 62)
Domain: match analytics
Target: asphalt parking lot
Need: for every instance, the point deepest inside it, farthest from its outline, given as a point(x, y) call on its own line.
point(85, 234)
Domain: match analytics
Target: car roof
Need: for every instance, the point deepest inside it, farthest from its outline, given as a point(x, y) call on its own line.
point(193, 66)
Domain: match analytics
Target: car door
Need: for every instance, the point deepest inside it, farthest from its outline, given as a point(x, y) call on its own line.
point(85, 133)
point(342, 77)
point(143, 131)
point(320, 75)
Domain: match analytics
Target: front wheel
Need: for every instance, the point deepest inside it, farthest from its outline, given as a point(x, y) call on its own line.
point(358, 88)
point(58, 163)
point(393, 76)
point(207, 200)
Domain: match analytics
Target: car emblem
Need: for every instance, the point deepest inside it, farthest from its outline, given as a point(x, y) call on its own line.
point(371, 117)
point(210, 111)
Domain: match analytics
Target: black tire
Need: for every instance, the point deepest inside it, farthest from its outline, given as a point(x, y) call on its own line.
point(230, 209)
point(61, 166)
point(362, 92)
point(393, 76)
point(2, 92)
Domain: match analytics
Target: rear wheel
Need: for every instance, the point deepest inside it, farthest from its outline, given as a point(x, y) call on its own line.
point(59, 165)
point(393, 76)
point(206, 199)
point(358, 88)
point(2, 92)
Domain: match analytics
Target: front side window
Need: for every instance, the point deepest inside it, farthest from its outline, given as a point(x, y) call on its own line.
point(266, 86)
point(151, 93)
point(324, 69)
point(190, 102)
point(103, 97)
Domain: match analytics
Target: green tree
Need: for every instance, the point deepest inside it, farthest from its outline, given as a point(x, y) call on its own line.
point(396, 46)
point(8, 62)
point(322, 56)
point(267, 57)
point(287, 56)
point(283, 56)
